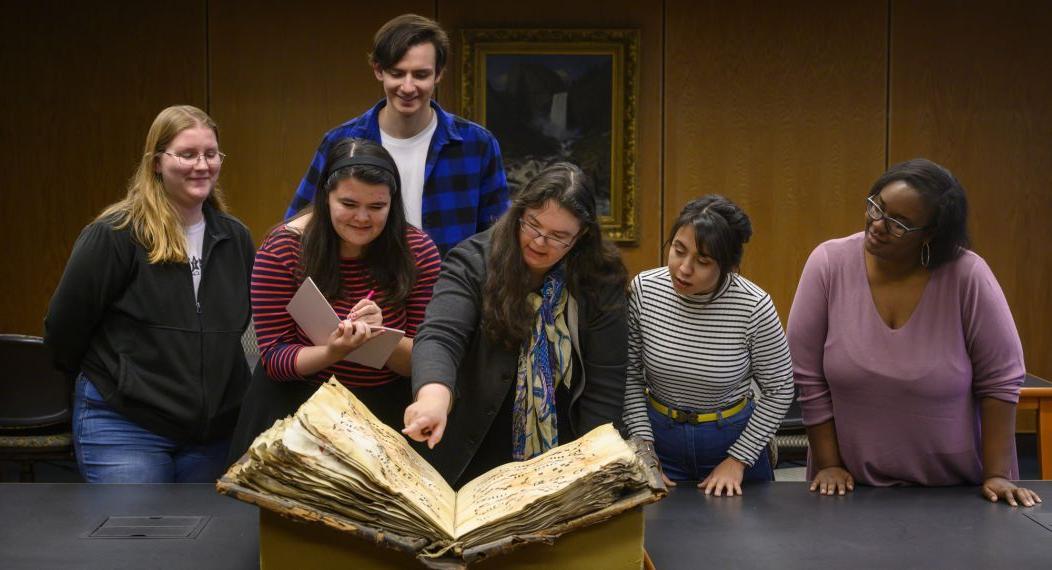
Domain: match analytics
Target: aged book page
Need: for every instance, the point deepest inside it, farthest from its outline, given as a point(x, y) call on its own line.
point(506, 490)
point(330, 483)
point(334, 456)
point(352, 434)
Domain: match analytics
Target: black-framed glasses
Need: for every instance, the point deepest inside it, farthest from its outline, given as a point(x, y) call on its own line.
point(895, 227)
point(534, 232)
point(190, 159)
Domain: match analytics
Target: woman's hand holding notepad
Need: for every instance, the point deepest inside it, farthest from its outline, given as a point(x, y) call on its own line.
point(318, 321)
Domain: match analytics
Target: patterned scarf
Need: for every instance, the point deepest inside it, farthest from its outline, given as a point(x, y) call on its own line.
point(544, 362)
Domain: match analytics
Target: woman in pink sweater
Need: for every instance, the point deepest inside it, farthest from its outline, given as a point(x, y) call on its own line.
point(904, 349)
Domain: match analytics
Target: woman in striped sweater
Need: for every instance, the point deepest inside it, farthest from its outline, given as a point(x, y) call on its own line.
point(699, 334)
point(372, 266)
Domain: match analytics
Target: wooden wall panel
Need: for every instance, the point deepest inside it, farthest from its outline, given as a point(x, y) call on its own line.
point(284, 73)
point(780, 106)
point(457, 14)
point(971, 90)
point(82, 83)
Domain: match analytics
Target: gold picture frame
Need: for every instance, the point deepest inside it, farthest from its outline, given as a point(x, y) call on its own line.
point(544, 95)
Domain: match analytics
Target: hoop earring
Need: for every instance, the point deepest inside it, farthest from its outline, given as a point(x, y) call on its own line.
point(926, 254)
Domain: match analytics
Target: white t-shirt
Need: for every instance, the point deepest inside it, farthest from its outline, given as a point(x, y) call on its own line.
point(410, 155)
point(195, 237)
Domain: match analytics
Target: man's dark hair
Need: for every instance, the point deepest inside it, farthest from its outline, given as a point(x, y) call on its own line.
point(399, 34)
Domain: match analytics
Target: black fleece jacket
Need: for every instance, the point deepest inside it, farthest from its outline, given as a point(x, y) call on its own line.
point(165, 360)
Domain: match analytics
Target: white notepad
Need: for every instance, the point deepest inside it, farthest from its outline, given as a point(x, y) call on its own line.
point(315, 316)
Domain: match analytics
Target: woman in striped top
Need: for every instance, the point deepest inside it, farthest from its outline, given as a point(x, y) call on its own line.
point(370, 264)
point(698, 335)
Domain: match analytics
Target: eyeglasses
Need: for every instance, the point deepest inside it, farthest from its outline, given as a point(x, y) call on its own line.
point(895, 227)
point(534, 232)
point(188, 158)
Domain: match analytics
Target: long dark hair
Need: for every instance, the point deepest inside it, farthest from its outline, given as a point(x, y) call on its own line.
point(944, 195)
point(388, 258)
point(591, 263)
point(721, 229)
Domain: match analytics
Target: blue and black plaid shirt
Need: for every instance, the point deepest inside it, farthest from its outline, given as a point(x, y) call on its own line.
point(465, 190)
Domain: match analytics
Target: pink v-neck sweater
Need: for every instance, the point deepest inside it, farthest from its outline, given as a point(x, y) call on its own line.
point(904, 401)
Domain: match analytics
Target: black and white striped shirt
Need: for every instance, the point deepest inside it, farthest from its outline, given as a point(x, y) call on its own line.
point(701, 352)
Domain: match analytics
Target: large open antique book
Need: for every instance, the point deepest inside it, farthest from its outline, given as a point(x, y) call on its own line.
point(333, 462)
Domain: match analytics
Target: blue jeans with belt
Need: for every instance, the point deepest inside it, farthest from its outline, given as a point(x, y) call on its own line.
point(689, 452)
point(111, 448)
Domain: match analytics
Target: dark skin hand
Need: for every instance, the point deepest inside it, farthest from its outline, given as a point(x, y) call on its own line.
point(831, 478)
point(998, 428)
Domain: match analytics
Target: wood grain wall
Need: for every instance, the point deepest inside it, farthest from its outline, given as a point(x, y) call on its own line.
point(284, 73)
point(82, 83)
point(971, 89)
point(458, 14)
point(779, 106)
point(790, 108)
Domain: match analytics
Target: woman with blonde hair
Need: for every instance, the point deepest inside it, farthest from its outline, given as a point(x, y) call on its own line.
point(149, 315)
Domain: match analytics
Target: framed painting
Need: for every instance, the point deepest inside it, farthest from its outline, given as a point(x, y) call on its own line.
point(560, 95)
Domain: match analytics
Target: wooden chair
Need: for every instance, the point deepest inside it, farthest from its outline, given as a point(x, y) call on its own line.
point(1036, 395)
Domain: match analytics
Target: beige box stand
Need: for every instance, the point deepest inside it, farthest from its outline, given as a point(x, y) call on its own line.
point(614, 544)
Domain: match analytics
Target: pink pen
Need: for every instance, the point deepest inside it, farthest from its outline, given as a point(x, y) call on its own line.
point(368, 296)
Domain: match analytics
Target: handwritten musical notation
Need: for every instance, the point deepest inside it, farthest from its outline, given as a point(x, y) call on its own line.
point(512, 487)
point(383, 454)
point(334, 455)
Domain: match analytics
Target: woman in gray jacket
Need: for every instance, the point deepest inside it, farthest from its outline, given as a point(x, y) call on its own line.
point(523, 344)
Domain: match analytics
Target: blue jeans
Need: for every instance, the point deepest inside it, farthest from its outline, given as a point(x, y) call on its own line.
point(689, 452)
point(113, 449)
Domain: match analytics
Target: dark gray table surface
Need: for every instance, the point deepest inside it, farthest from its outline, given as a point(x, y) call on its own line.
point(43, 525)
point(782, 525)
point(773, 526)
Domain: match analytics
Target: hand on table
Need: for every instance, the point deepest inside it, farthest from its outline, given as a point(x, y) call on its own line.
point(664, 478)
point(833, 481)
point(668, 482)
point(726, 476)
point(1000, 488)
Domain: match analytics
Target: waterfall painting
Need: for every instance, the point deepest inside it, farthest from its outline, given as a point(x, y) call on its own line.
point(560, 95)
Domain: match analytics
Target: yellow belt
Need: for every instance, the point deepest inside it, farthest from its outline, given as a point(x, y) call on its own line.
point(695, 418)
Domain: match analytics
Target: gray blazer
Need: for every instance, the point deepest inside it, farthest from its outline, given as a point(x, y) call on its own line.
point(450, 348)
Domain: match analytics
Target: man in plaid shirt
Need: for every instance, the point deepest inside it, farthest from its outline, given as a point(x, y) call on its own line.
point(452, 174)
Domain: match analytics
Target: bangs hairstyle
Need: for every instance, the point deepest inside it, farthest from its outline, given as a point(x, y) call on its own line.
point(387, 258)
point(591, 263)
point(146, 207)
point(399, 34)
point(721, 229)
point(944, 196)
